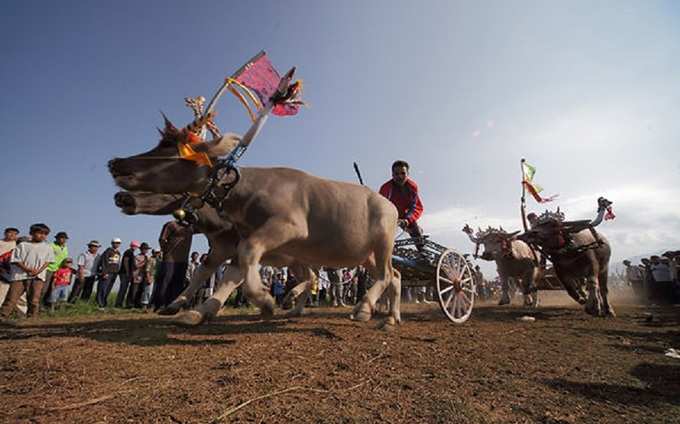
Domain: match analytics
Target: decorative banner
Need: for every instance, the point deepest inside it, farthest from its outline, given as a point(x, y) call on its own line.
point(528, 172)
point(260, 77)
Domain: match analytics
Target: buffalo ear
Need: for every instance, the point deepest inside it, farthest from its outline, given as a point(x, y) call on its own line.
point(169, 127)
point(221, 146)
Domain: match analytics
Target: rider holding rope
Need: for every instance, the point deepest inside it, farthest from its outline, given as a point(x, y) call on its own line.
point(403, 193)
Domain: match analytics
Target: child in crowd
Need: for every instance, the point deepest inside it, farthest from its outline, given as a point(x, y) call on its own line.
point(28, 264)
point(61, 280)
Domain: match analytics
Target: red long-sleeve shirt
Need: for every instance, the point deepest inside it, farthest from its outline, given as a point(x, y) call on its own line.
point(405, 198)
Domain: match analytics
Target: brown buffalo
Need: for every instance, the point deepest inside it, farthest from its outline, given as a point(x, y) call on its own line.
point(514, 259)
point(577, 252)
point(283, 212)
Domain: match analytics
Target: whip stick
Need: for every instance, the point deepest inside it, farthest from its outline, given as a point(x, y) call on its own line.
point(356, 169)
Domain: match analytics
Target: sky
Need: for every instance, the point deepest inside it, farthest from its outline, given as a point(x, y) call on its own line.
point(587, 92)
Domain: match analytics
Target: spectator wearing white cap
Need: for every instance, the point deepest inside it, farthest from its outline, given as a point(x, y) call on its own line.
point(127, 271)
point(109, 265)
point(88, 263)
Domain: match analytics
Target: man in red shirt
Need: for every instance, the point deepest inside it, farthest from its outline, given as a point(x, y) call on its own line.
point(403, 193)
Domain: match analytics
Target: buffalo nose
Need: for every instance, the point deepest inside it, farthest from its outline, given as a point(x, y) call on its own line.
point(112, 166)
point(123, 200)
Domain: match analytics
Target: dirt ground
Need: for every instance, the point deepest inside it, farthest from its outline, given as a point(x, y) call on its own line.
point(565, 367)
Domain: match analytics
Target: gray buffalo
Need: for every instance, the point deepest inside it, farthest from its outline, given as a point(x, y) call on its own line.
point(223, 241)
point(282, 212)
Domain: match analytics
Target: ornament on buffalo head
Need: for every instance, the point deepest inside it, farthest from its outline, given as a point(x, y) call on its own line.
point(549, 216)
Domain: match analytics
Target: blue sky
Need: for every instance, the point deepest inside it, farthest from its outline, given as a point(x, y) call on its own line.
point(588, 93)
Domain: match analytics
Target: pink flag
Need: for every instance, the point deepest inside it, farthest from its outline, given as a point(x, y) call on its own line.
point(260, 77)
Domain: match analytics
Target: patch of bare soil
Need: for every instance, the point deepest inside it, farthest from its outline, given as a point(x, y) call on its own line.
point(565, 367)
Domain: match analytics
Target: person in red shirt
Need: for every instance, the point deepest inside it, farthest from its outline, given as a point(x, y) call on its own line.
point(61, 280)
point(403, 193)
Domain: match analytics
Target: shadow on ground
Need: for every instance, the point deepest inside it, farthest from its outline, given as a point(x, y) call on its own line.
point(660, 383)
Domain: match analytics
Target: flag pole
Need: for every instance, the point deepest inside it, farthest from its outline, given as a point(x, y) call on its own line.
point(523, 200)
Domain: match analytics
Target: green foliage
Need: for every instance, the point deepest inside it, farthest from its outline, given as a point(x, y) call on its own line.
point(82, 308)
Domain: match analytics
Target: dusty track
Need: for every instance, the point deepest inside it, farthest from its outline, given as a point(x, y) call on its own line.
point(564, 368)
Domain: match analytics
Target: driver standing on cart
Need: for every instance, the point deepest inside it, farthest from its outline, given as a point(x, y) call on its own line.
point(402, 191)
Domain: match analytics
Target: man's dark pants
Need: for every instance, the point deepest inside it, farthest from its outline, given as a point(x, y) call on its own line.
point(414, 230)
point(170, 283)
point(122, 290)
point(76, 290)
point(88, 287)
point(134, 296)
point(104, 288)
point(47, 289)
point(81, 289)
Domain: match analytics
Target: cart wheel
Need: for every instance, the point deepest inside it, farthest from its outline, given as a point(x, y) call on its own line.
point(455, 286)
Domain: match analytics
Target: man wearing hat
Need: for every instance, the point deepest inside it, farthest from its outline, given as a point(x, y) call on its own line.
point(109, 265)
point(87, 263)
point(127, 270)
point(635, 278)
point(60, 255)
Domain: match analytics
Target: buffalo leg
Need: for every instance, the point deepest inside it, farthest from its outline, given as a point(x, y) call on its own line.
point(594, 302)
point(208, 309)
point(505, 291)
point(217, 255)
point(386, 278)
point(607, 309)
point(301, 292)
point(269, 236)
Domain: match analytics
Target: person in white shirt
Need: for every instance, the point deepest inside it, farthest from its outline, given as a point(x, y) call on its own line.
point(87, 263)
point(29, 263)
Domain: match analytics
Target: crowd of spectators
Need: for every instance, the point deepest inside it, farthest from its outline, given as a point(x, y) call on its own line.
point(655, 279)
point(35, 274)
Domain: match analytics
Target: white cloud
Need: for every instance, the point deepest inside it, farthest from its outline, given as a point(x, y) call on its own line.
point(647, 218)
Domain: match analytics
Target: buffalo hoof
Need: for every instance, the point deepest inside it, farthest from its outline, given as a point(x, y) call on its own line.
point(593, 308)
point(295, 313)
point(190, 318)
point(609, 313)
point(289, 301)
point(266, 313)
point(389, 324)
point(362, 312)
point(504, 301)
point(171, 309)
